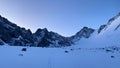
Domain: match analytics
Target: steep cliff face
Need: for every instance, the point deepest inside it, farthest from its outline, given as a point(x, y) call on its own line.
point(12, 34)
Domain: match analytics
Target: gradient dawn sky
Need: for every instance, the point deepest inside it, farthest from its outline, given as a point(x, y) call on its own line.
point(65, 17)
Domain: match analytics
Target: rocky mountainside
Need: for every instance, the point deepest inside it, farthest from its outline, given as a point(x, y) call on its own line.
point(85, 32)
point(15, 35)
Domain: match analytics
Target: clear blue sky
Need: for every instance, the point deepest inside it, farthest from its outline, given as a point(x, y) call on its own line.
point(65, 17)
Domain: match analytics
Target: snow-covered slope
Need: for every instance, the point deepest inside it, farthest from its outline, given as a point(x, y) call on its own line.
point(110, 34)
point(106, 35)
point(112, 25)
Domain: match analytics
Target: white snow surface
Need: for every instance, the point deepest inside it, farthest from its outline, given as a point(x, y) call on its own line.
point(35, 57)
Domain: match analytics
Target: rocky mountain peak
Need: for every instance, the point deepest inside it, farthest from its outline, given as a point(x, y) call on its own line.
point(85, 32)
point(111, 25)
point(113, 18)
point(12, 34)
point(101, 28)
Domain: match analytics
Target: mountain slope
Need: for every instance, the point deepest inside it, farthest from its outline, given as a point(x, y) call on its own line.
point(14, 35)
point(110, 34)
point(106, 35)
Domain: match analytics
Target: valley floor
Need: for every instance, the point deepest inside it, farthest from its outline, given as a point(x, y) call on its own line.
point(33, 57)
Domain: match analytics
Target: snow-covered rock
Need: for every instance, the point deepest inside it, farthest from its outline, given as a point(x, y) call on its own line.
point(106, 35)
point(85, 32)
point(14, 35)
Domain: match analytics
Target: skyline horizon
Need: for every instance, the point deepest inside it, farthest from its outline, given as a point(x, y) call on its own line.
point(57, 32)
point(65, 17)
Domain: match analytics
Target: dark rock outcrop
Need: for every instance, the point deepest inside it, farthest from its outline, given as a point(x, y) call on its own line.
point(101, 28)
point(14, 35)
point(85, 32)
point(1, 42)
